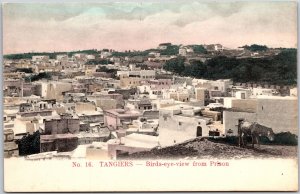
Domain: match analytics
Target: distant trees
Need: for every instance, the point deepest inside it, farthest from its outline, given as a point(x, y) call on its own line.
point(198, 49)
point(255, 47)
point(175, 65)
point(52, 55)
point(17, 56)
point(171, 50)
point(279, 69)
point(99, 61)
point(25, 70)
point(88, 52)
point(43, 75)
point(131, 53)
point(113, 72)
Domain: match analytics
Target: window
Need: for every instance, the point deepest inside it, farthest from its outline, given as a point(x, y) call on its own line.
point(180, 123)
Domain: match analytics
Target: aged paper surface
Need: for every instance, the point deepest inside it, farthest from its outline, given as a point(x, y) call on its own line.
point(241, 175)
point(150, 96)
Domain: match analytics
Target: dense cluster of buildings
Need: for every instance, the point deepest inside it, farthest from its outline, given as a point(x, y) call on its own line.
point(86, 111)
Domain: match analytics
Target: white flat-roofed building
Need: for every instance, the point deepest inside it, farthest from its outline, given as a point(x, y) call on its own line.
point(276, 112)
point(180, 123)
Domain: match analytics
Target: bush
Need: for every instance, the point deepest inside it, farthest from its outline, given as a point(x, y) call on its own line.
point(286, 138)
point(29, 144)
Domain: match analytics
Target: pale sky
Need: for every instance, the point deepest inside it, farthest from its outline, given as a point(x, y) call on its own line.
point(139, 26)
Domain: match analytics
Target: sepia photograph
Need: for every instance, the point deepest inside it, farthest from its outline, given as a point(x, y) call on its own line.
point(127, 96)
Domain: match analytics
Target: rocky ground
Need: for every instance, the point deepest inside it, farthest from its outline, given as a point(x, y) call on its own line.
point(201, 148)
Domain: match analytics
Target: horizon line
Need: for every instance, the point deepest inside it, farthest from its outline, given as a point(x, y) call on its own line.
point(69, 51)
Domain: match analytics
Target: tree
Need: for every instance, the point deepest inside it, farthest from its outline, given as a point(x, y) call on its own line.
point(255, 47)
point(198, 49)
point(197, 69)
point(170, 50)
point(25, 70)
point(175, 65)
point(29, 144)
point(99, 61)
point(280, 69)
point(43, 75)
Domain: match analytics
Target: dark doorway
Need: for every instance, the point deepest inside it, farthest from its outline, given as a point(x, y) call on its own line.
point(243, 96)
point(199, 131)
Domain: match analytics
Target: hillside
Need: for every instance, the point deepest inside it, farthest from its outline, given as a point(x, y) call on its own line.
point(280, 69)
point(200, 148)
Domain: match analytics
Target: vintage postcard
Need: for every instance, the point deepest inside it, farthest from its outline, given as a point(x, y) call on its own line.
point(150, 96)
